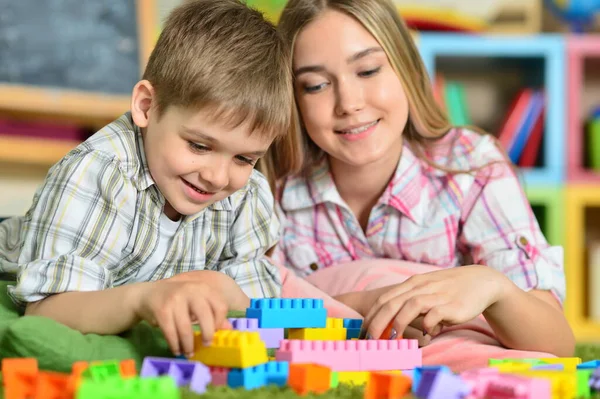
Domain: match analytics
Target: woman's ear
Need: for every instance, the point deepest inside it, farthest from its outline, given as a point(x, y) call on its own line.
point(141, 103)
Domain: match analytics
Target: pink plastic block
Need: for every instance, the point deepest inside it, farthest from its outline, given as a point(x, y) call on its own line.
point(478, 380)
point(358, 355)
point(384, 354)
point(218, 375)
point(337, 355)
point(507, 386)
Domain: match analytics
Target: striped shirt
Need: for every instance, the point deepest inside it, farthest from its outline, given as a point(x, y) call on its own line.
point(94, 223)
point(426, 215)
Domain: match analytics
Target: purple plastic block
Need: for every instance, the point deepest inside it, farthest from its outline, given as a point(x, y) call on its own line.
point(270, 336)
point(437, 384)
point(556, 367)
point(595, 379)
point(200, 378)
point(183, 372)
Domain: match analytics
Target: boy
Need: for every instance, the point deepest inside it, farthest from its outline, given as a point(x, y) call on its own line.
point(167, 188)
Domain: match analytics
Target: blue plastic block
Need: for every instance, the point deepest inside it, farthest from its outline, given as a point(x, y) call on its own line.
point(277, 373)
point(352, 327)
point(247, 378)
point(288, 313)
point(418, 372)
point(592, 364)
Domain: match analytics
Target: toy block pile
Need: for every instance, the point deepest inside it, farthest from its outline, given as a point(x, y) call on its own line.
point(318, 354)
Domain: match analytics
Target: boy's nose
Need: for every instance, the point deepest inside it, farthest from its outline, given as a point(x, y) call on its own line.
point(217, 176)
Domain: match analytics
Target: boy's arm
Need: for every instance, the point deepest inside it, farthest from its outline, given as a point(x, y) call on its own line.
point(76, 230)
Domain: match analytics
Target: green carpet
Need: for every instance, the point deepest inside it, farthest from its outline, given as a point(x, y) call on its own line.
point(586, 352)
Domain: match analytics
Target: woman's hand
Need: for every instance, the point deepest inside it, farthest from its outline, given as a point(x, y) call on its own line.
point(445, 297)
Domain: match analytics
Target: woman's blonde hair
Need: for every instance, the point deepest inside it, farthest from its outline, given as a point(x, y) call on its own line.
point(427, 122)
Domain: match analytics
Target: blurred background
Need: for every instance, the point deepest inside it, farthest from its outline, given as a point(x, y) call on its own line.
point(527, 71)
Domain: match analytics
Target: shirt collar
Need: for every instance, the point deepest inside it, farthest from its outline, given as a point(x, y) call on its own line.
point(407, 191)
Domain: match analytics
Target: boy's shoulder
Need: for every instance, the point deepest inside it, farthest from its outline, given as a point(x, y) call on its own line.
point(119, 142)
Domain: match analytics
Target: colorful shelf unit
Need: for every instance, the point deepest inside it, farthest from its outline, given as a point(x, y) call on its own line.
point(33, 152)
point(579, 50)
point(548, 48)
point(549, 207)
point(579, 200)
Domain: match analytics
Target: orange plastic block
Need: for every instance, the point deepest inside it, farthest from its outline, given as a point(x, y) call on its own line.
point(387, 386)
point(51, 385)
point(305, 378)
point(128, 369)
point(19, 377)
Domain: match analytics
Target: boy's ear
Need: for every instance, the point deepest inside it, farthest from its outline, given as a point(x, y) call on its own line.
point(141, 103)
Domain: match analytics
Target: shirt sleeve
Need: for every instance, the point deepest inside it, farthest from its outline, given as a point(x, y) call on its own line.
point(255, 230)
point(76, 229)
point(500, 230)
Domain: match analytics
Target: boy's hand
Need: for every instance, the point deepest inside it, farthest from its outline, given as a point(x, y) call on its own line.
point(174, 305)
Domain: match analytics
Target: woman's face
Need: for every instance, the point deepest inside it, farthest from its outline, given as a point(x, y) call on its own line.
point(352, 103)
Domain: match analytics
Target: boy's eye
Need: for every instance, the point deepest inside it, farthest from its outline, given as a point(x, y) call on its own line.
point(370, 72)
point(198, 147)
point(245, 160)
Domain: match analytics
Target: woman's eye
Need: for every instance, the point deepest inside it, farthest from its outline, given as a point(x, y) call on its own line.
point(370, 72)
point(315, 88)
point(245, 160)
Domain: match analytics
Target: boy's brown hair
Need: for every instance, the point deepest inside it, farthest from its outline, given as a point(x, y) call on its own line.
point(226, 56)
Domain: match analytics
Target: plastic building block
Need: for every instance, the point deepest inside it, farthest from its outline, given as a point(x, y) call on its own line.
point(128, 368)
point(115, 388)
point(12, 366)
point(353, 377)
point(335, 379)
point(352, 327)
point(479, 379)
point(583, 383)
point(493, 362)
point(51, 385)
point(218, 375)
point(362, 355)
point(563, 384)
point(333, 331)
point(508, 386)
point(569, 363)
point(594, 381)
point(418, 372)
point(436, 384)
point(230, 348)
point(183, 372)
point(592, 364)
point(101, 371)
point(387, 386)
point(271, 336)
point(288, 313)
point(19, 377)
point(272, 373)
point(305, 378)
point(557, 367)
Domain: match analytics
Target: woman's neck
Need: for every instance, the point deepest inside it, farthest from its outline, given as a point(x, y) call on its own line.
point(362, 186)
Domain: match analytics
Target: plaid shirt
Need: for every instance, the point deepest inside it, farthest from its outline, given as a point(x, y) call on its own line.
point(94, 223)
point(426, 215)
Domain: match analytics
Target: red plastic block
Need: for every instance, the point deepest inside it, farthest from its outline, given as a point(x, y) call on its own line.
point(218, 375)
point(507, 386)
point(50, 385)
point(19, 377)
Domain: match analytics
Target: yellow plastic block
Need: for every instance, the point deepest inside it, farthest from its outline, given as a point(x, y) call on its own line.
point(334, 331)
point(359, 377)
point(512, 367)
point(230, 348)
point(569, 363)
point(563, 383)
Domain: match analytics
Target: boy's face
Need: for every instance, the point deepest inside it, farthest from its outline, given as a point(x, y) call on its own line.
point(196, 162)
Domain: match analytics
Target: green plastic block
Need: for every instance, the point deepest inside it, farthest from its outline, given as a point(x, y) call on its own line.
point(583, 383)
point(335, 380)
point(594, 143)
point(533, 362)
point(103, 370)
point(163, 387)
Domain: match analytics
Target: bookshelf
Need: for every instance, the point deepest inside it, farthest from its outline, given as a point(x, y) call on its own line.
point(548, 204)
point(581, 54)
point(33, 151)
point(541, 56)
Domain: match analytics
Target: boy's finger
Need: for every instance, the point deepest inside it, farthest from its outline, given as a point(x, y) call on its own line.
point(200, 308)
point(167, 326)
point(219, 310)
point(185, 332)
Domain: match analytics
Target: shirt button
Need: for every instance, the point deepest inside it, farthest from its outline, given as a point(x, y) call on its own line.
point(314, 266)
point(523, 240)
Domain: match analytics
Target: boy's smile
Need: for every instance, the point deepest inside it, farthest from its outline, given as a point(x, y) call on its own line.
point(194, 160)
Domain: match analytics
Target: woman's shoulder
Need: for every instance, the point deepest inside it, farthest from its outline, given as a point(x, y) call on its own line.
point(465, 149)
